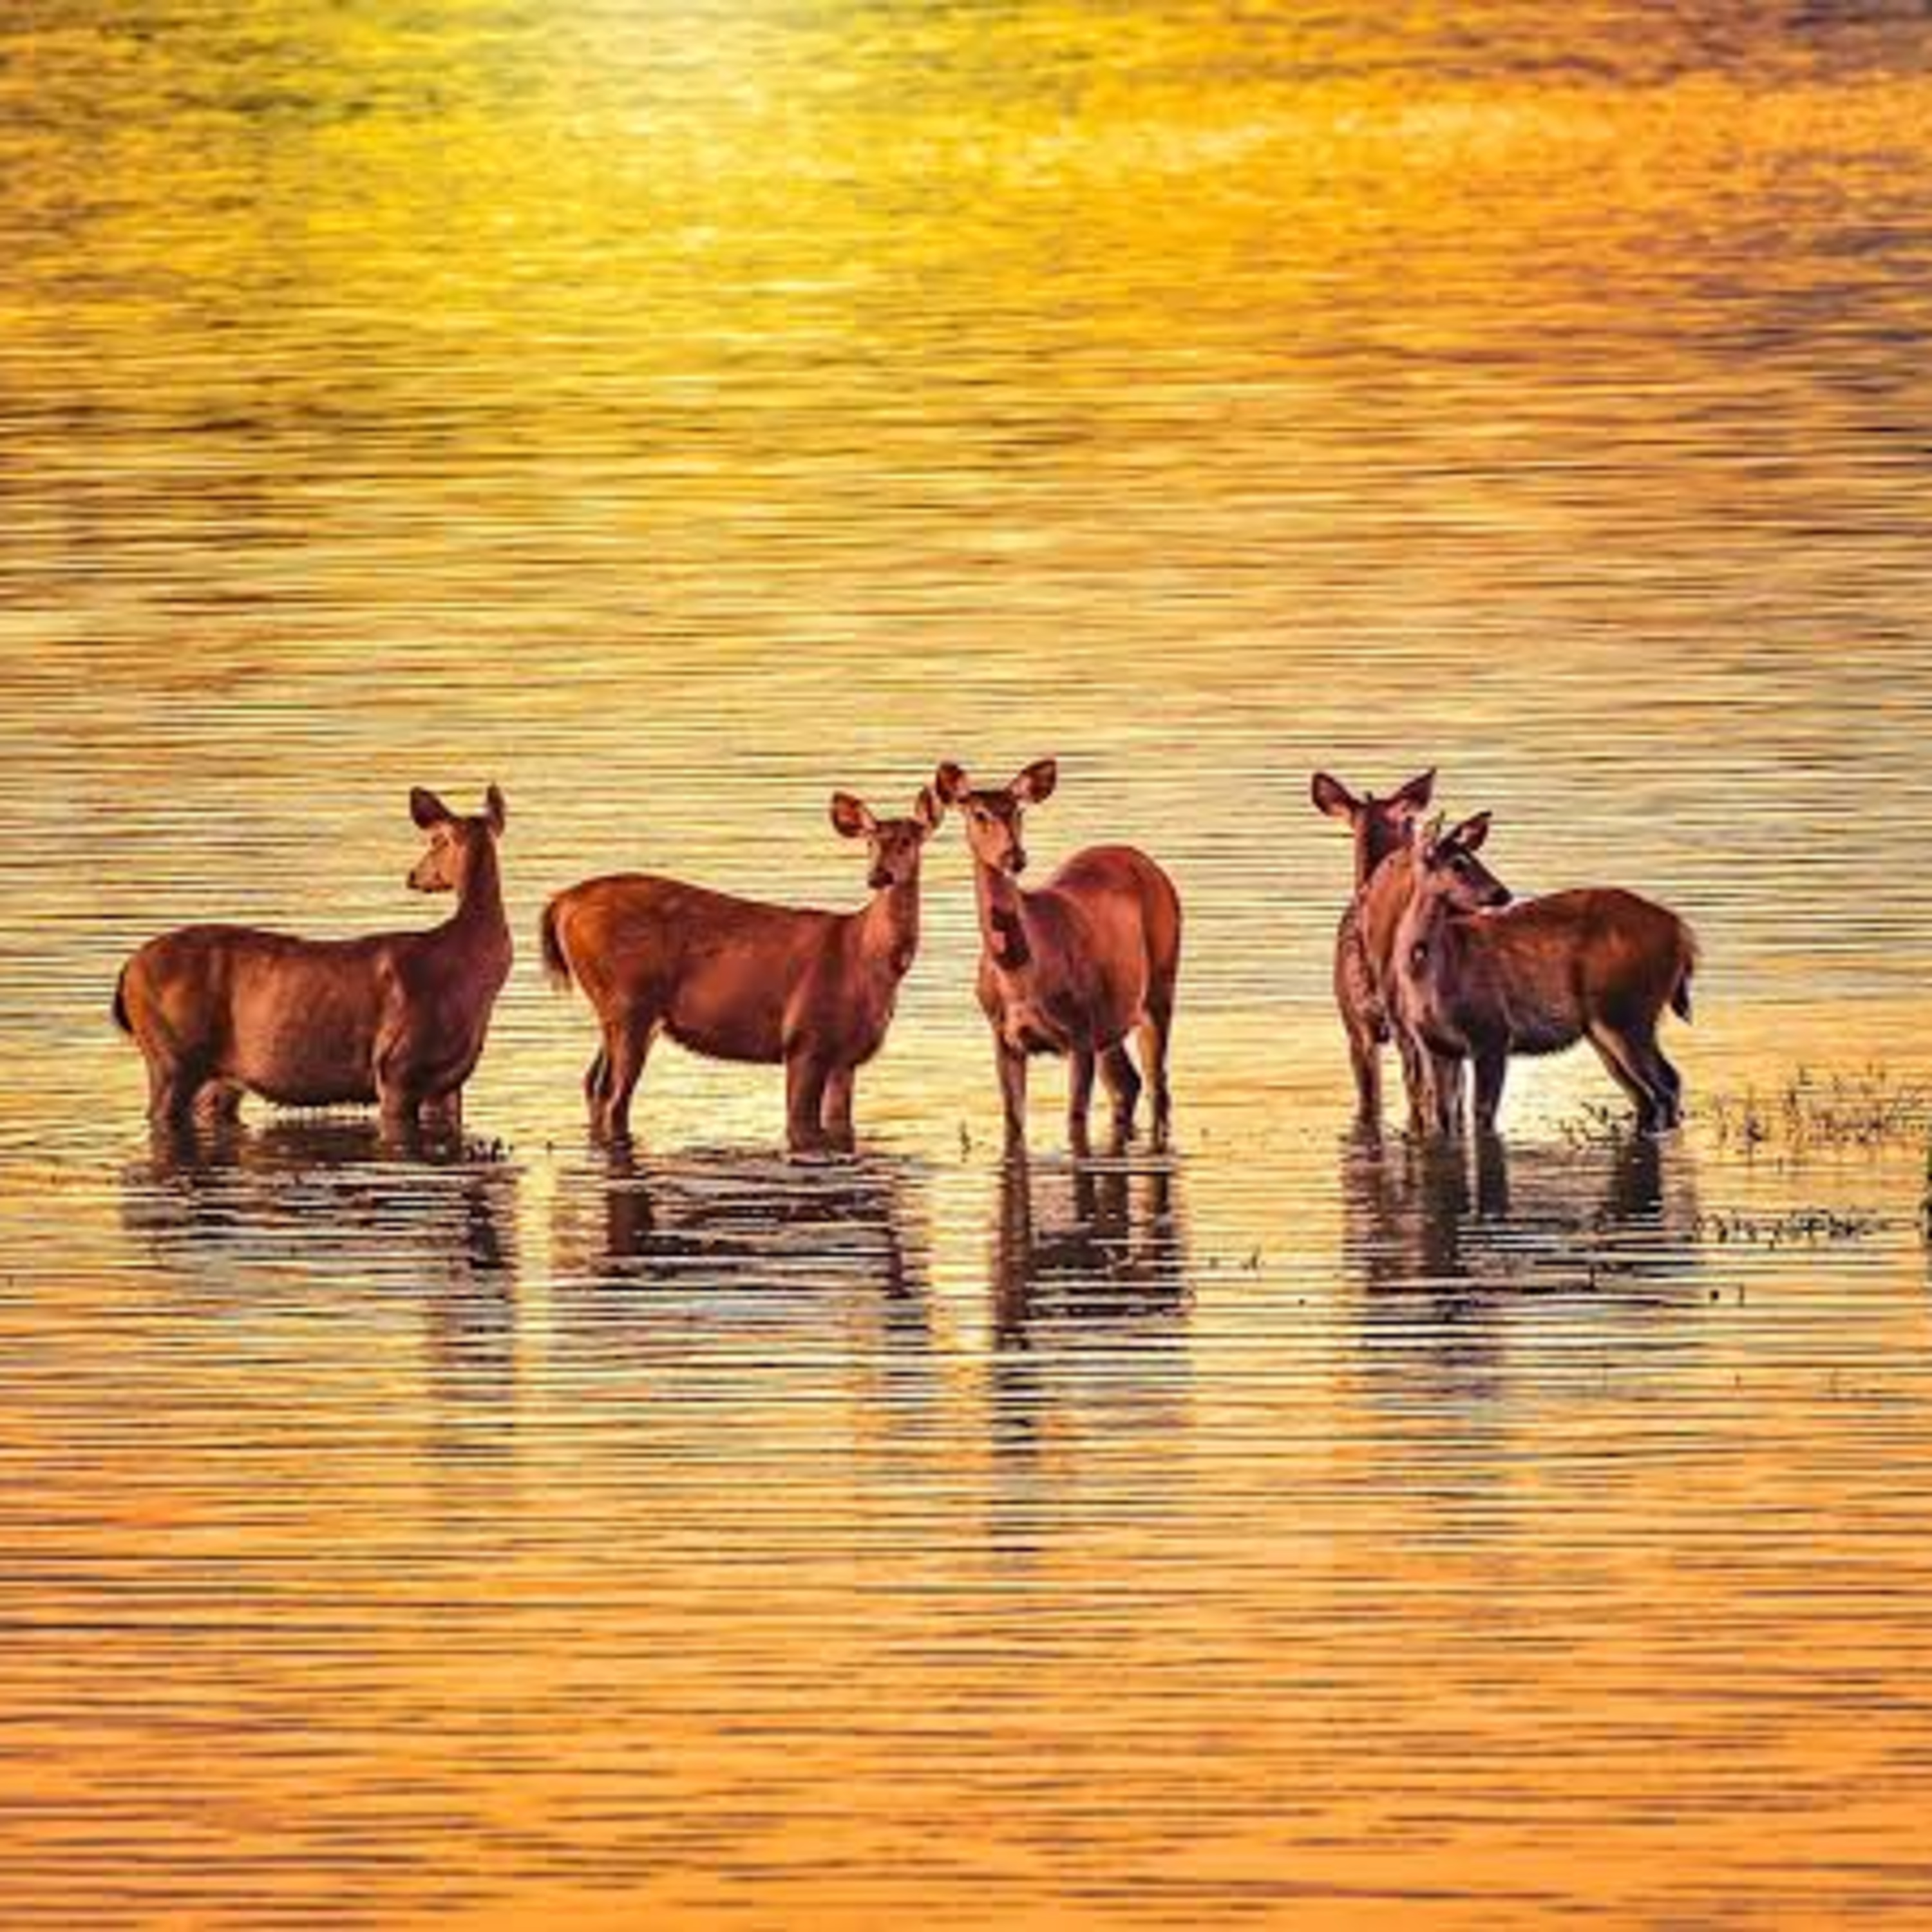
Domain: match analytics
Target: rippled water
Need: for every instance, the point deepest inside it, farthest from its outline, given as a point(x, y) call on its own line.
point(673, 414)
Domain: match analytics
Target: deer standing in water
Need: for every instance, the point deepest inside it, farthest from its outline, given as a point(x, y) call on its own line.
point(1384, 831)
point(397, 1019)
point(1599, 964)
point(736, 979)
point(1074, 967)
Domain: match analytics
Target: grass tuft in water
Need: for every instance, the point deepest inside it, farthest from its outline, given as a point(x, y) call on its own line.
point(1810, 1112)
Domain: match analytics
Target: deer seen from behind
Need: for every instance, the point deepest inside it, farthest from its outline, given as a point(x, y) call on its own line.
point(737, 979)
point(1074, 967)
point(399, 1019)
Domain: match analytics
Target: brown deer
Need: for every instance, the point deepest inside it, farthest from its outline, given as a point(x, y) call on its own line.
point(1599, 964)
point(1384, 830)
point(736, 979)
point(1074, 967)
point(397, 1019)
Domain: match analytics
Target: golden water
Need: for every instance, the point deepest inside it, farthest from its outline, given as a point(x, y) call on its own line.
point(673, 413)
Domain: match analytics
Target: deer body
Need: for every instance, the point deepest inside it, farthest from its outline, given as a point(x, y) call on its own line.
point(736, 979)
point(1599, 964)
point(1074, 968)
point(399, 1019)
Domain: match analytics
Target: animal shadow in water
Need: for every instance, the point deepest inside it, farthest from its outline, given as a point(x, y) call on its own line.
point(1120, 1252)
point(323, 1198)
point(662, 1256)
point(1459, 1248)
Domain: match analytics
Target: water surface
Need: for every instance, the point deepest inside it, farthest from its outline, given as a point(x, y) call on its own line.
point(675, 414)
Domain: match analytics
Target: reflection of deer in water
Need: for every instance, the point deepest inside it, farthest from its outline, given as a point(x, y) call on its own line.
point(328, 1190)
point(722, 1226)
point(326, 1202)
point(1417, 1217)
point(1121, 1254)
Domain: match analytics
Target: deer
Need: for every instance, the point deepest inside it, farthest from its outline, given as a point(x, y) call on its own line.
point(1538, 976)
point(737, 979)
point(396, 1019)
point(1073, 967)
point(1384, 831)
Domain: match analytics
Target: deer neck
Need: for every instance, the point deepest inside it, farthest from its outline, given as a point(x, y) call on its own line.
point(1002, 916)
point(888, 927)
point(479, 920)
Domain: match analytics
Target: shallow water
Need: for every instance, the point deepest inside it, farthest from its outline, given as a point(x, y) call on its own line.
point(673, 415)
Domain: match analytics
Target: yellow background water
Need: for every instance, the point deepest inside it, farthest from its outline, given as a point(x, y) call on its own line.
point(673, 413)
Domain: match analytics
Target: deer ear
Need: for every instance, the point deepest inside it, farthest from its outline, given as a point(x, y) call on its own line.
point(1332, 797)
point(426, 809)
point(495, 810)
point(1037, 782)
point(929, 809)
point(1414, 797)
point(851, 818)
point(1430, 844)
point(1471, 833)
point(951, 782)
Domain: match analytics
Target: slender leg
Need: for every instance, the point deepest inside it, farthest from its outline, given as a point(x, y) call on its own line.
point(1365, 1057)
point(445, 1112)
point(1155, 1031)
point(171, 1092)
point(218, 1102)
point(1013, 1091)
point(1614, 1051)
point(1665, 1083)
point(806, 1076)
point(628, 1043)
point(597, 1083)
point(1418, 1079)
point(835, 1116)
point(1079, 1098)
point(1491, 1069)
point(1122, 1082)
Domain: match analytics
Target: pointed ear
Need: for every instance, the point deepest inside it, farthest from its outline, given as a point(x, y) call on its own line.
point(1037, 782)
point(1332, 797)
point(851, 819)
point(426, 809)
point(951, 782)
point(495, 810)
point(929, 809)
point(1469, 835)
point(1414, 797)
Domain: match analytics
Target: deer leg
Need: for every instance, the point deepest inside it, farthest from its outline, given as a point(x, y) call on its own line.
point(172, 1086)
point(445, 1111)
point(805, 1077)
point(1365, 1059)
point(1154, 1035)
point(217, 1102)
point(1418, 1078)
point(1079, 1098)
point(1123, 1083)
point(1013, 1090)
point(1665, 1083)
point(835, 1113)
point(627, 1045)
point(1491, 1070)
point(597, 1083)
point(1615, 1052)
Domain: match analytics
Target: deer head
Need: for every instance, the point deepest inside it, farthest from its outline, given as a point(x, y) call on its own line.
point(993, 817)
point(895, 843)
point(454, 842)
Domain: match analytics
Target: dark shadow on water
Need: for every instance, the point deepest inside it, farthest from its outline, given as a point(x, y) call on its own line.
point(668, 1257)
point(320, 1215)
point(1086, 1241)
point(1090, 1295)
point(1459, 1246)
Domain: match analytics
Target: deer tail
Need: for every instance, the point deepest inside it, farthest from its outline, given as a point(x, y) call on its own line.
point(121, 1019)
point(1680, 999)
point(556, 962)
